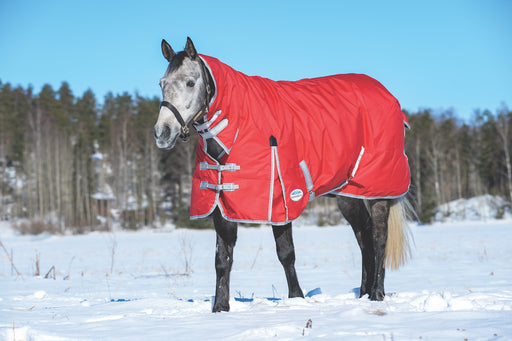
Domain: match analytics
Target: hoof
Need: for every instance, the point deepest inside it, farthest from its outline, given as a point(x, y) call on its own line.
point(217, 308)
point(295, 294)
point(377, 296)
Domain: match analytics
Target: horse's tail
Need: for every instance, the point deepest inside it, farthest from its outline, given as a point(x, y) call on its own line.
point(398, 247)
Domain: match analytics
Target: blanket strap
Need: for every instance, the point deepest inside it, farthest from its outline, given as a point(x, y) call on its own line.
point(356, 166)
point(307, 177)
point(229, 187)
point(221, 168)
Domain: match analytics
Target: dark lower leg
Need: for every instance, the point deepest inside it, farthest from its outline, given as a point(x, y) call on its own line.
point(286, 254)
point(226, 239)
point(380, 213)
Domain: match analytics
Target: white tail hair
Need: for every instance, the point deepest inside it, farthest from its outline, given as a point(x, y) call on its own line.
point(398, 244)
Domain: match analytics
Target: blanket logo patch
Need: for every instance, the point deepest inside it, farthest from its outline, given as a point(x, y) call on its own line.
point(296, 195)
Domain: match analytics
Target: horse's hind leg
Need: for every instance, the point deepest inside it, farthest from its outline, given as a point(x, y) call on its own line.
point(354, 210)
point(371, 233)
point(286, 254)
point(226, 239)
point(380, 214)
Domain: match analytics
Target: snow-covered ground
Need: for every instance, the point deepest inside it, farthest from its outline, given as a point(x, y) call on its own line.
point(478, 208)
point(157, 285)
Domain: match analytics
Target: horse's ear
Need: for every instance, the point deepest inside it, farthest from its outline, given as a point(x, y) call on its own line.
point(167, 51)
point(190, 49)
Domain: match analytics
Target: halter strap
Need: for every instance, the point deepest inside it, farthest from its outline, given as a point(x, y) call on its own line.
point(174, 111)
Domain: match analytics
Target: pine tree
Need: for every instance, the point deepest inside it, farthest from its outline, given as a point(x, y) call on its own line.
point(83, 149)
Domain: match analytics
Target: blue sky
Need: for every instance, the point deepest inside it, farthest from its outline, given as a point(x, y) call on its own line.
point(429, 54)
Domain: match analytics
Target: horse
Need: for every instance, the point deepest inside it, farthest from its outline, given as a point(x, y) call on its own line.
point(260, 158)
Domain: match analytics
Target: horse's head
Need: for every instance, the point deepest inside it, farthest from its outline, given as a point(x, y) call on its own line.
point(185, 93)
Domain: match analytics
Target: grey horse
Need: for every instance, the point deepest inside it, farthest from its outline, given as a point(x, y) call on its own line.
point(379, 225)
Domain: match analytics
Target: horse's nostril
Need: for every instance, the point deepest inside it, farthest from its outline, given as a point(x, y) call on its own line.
point(164, 133)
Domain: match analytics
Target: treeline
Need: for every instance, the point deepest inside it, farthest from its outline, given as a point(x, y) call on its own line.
point(70, 163)
point(450, 159)
point(67, 162)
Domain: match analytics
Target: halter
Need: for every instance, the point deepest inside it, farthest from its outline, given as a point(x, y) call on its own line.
point(185, 130)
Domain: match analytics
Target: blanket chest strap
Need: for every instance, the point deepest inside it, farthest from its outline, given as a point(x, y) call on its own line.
point(229, 187)
point(221, 168)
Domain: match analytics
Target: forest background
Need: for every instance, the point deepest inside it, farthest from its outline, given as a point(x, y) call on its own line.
point(69, 163)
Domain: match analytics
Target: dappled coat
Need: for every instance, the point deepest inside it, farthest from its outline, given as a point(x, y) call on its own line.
point(287, 142)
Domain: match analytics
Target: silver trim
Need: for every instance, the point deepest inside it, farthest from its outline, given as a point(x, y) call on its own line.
point(357, 162)
point(221, 209)
point(333, 191)
point(311, 196)
point(272, 179)
point(344, 183)
point(214, 82)
point(215, 130)
point(367, 198)
point(206, 125)
point(217, 204)
point(282, 183)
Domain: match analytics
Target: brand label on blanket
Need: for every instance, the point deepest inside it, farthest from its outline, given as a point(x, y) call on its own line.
point(296, 195)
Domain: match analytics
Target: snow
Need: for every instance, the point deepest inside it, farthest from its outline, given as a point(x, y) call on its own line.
point(478, 208)
point(157, 285)
point(97, 156)
point(103, 196)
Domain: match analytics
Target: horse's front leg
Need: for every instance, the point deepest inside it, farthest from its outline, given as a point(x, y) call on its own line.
point(226, 239)
point(371, 230)
point(286, 254)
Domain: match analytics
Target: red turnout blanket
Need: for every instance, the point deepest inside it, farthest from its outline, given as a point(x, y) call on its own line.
point(285, 143)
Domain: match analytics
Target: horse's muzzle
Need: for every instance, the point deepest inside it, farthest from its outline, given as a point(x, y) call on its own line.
point(163, 137)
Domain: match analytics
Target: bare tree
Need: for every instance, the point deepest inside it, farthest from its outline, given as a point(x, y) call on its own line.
point(502, 126)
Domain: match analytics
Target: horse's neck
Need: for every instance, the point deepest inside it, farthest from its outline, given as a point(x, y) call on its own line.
point(213, 147)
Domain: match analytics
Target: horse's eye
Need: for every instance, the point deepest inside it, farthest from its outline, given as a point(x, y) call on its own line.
point(190, 84)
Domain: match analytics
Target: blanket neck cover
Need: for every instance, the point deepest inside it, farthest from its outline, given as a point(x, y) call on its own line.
point(285, 143)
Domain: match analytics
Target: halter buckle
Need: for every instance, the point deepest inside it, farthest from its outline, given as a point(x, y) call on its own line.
point(185, 133)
